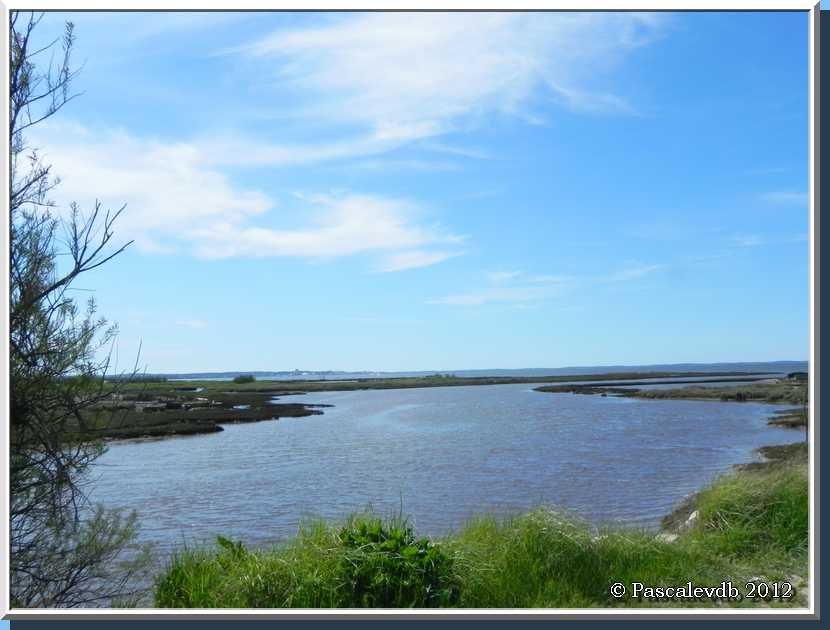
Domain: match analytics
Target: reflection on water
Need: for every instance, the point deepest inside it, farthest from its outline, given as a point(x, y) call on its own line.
point(447, 453)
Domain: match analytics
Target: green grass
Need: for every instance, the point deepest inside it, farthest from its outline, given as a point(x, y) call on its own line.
point(544, 560)
point(746, 513)
point(752, 523)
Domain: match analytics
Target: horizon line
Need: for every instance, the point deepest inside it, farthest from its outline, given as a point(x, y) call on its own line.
point(487, 369)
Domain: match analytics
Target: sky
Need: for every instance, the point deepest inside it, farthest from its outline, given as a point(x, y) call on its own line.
point(438, 191)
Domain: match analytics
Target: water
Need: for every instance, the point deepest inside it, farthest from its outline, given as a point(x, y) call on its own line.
point(448, 453)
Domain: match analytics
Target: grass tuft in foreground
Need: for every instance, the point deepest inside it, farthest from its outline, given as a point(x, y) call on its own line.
point(748, 514)
point(751, 524)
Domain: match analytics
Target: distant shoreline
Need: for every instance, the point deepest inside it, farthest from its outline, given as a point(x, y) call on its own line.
point(162, 409)
point(781, 391)
point(279, 387)
point(734, 367)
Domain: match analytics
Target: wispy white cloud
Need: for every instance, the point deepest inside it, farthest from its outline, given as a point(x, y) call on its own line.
point(238, 150)
point(748, 240)
point(631, 272)
point(121, 30)
point(678, 230)
point(179, 202)
point(196, 324)
point(768, 170)
point(342, 225)
point(467, 152)
point(398, 77)
point(387, 164)
point(550, 279)
point(392, 321)
point(785, 198)
point(414, 259)
point(513, 287)
point(518, 288)
point(169, 23)
point(500, 294)
point(382, 80)
point(757, 240)
point(503, 276)
point(500, 277)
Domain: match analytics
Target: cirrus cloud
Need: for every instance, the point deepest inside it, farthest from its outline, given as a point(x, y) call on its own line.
point(518, 288)
point(407, 76)
point(786, 198)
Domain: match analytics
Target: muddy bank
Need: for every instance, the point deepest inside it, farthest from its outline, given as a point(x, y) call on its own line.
point(128, 424)
point(779, 392)
point(789, 418)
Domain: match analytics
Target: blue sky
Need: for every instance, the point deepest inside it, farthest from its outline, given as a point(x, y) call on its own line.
point(443, 191)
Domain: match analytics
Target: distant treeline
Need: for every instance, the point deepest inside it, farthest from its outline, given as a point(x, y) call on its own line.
point(137, 379)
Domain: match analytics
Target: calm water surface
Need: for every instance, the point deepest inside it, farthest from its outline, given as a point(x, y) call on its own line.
point(448, 453)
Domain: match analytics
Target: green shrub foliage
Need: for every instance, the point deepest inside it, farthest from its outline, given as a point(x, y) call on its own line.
point(387, 566)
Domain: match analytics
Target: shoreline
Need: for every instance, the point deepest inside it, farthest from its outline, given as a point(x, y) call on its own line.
point(287, 387)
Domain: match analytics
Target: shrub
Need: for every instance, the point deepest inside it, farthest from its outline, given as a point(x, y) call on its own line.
point(244, 378)
point(384, 565)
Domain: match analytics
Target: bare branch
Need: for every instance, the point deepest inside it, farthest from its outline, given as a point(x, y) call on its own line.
point(62, 553)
